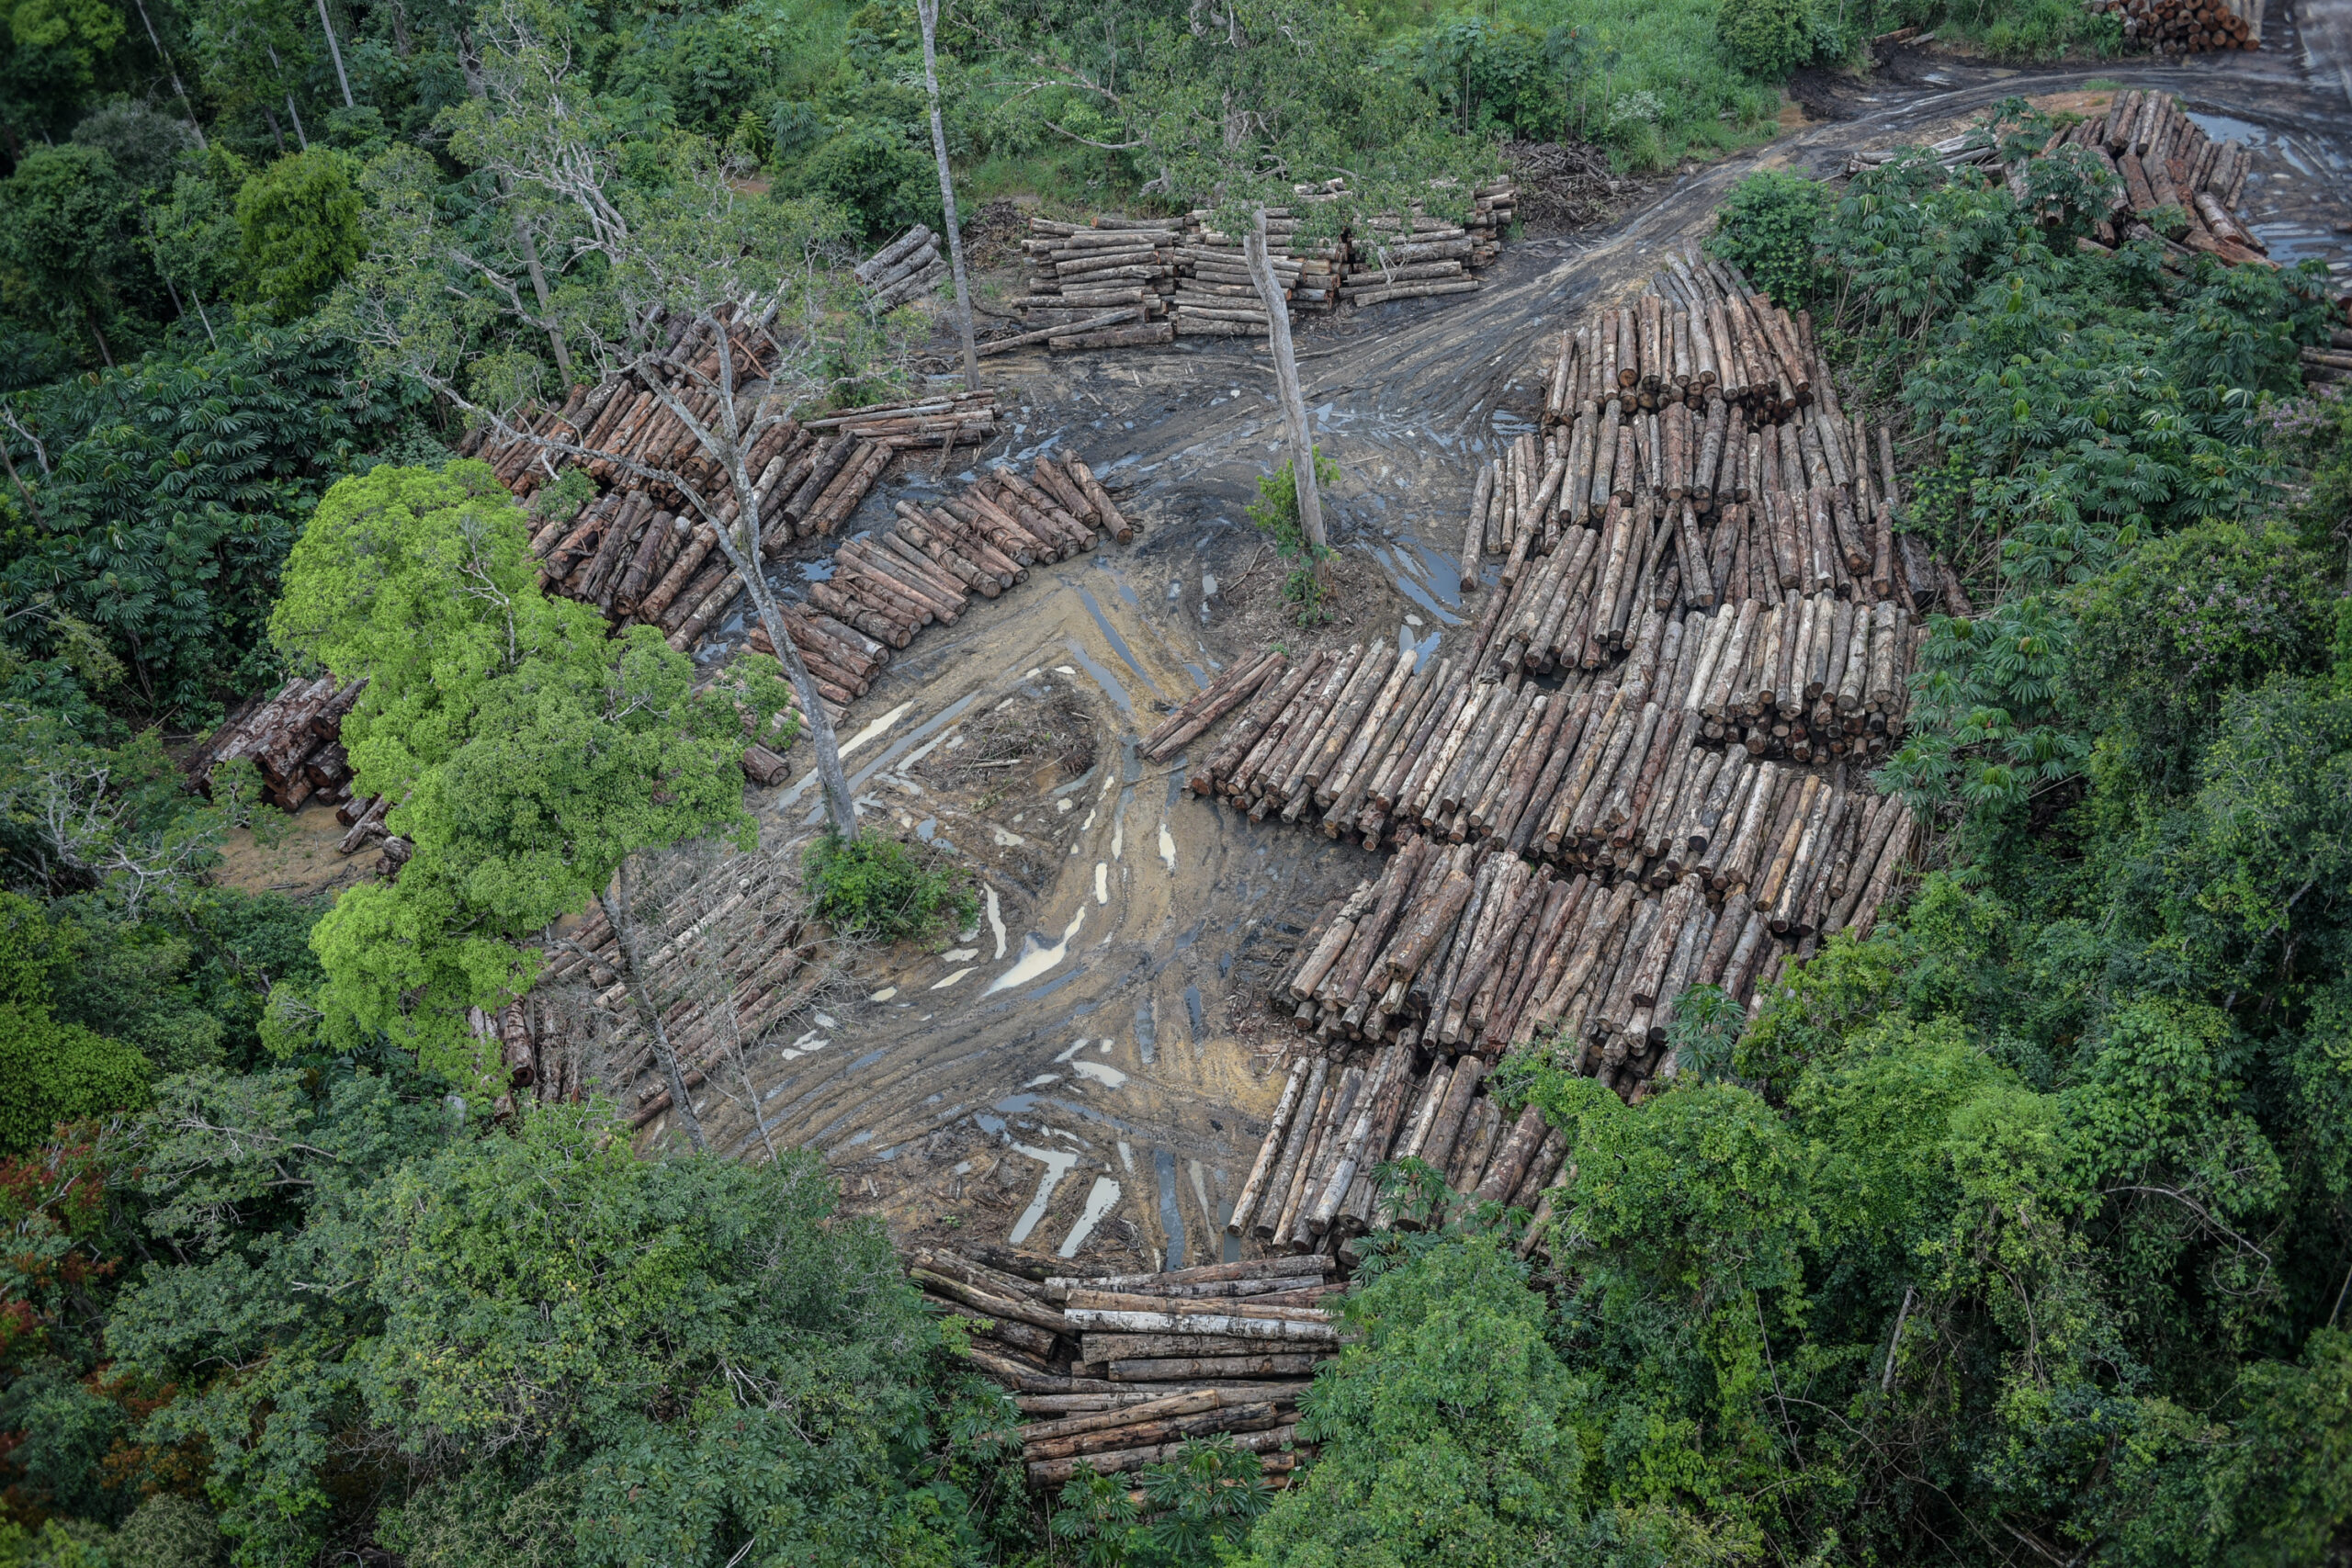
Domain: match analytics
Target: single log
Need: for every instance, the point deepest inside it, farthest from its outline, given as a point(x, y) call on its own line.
point(1056, 1472)
point(1186, 1369)
point(1090, 1297)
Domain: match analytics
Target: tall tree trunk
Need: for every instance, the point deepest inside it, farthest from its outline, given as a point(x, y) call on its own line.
point(927, 11)
point(471, 64)
point(622, 917)
point(530, 249)
point(841, 806)
point(299, 135)
point(90, 316)
point(335, 49)
point(1294, 402)
point(182, 309)
point(172, 66)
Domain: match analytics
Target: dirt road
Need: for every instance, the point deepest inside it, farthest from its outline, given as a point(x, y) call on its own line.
point(1084, 1068)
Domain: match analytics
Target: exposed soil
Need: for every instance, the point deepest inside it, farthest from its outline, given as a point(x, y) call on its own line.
point(300, 859)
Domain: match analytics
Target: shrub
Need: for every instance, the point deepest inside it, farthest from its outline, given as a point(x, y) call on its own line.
point(53, 1072)
point(50, 1072)
point(1276, 511)
point(1766, 229)
point(876, 171)
point(1765, 37)
point(169, 1532)
point(299, 223)
point(882, 890)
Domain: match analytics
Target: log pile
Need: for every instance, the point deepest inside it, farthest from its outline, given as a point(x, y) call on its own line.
point(2187, 27)
point(2331, 361)
point(2163, 160)
point(906, 268)
point(1101, 287)
point(1117, 1371)
point(1311, 1189)
point(637, 551)
point(640, 561)
point(1416, 256)
point(1643, 772)
point(2157, 159)
point(294, 739)
point(732, 961)
point(1125, 282)
point(925, 565)
point(1214, 295)
point(513, 1034)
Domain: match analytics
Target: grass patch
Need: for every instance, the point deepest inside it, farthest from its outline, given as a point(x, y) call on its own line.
point(877, 889)
point(1276, 512)
point(1649, 81)
point(2033, 30)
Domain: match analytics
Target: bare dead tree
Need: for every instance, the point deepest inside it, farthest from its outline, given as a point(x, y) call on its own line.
point(928, 12)
point(1300, 434)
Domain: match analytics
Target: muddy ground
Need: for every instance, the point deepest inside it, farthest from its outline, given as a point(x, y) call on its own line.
point(1088, 1068)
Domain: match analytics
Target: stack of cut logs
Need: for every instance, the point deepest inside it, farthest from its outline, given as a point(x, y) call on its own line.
point(1118, 1372)
point(1429, 973)
point(732, 964)
point(1421, 256)
point(927, 562)
point(640, 562)
point(636, 551)
point(1216, 295)
point(1311, 1189)
point(293, 738)
point(518, 1028)
point(2332, 362)
point(2188, 27)
point(1126, 282)
point(906, 268)
point(1104, 286)
point(1641, 774)
point(2156, 156)
point(627, 553)
point(2162, 159)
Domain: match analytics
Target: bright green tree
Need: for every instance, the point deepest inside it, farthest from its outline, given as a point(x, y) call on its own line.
point(529, 756)
point(298, 222)
point(50, 1071)
point(655, 232)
